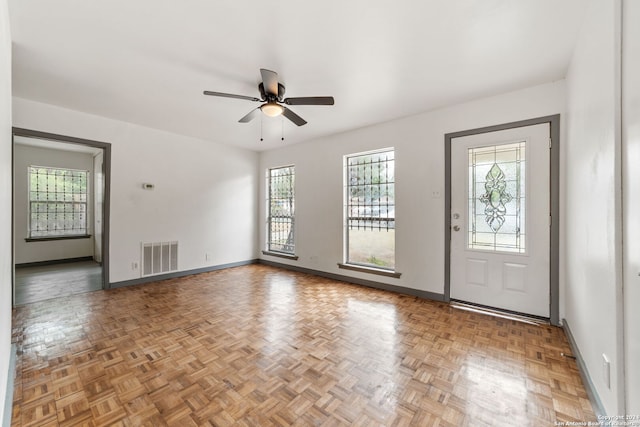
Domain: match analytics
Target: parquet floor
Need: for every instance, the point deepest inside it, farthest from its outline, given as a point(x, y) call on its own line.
point(260, 346)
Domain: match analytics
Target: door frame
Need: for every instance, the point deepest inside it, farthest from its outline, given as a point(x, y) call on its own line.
point(106, 149)
point(554, 242)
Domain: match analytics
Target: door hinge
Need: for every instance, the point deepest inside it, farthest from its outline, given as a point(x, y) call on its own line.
point(550, 220)
point(549, 142)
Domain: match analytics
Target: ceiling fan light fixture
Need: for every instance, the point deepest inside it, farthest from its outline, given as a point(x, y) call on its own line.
point(272, 109)
point(272, 100)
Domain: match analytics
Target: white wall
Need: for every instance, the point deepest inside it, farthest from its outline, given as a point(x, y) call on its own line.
point(631, 198)
point(205, 193)
point(592, 213)
point(25, 252)
point(419, 144)
point(6, 269)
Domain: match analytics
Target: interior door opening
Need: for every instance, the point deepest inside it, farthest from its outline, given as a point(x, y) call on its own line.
point(60, 211)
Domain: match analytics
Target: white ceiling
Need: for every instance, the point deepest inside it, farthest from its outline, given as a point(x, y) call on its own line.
point(148, 61)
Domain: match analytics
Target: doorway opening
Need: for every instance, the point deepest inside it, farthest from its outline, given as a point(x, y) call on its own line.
point(60, 210)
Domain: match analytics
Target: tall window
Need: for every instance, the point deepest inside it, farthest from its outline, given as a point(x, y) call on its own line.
point(281, 210)
point(370, 209)
point(57, 202)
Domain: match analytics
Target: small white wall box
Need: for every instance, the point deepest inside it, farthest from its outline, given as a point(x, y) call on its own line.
point(147, 186)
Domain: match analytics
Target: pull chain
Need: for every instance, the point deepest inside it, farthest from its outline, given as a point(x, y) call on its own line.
point(262, 129)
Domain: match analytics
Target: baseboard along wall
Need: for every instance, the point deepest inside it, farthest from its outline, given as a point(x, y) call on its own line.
point(54, 261)
point(8, 398)
point(176, 274)
point(584, 372)
point(357, 281)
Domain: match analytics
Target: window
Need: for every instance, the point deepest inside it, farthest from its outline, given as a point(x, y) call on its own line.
point(370, 209)
point(280, 236)
point(57, 202)
point(497, 198)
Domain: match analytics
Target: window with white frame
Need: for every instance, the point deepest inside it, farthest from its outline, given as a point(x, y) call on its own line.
point(370, 209)
point(57, 202)
point(281, 206)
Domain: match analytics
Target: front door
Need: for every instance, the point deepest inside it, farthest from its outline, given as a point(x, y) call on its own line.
point(500, 219)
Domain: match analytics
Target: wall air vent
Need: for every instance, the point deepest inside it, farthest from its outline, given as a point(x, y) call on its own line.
point(159, 258)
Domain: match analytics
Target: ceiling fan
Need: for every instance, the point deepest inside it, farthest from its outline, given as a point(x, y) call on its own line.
point(271, 94)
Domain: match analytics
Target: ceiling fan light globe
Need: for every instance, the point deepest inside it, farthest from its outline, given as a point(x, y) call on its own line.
point(272, 109)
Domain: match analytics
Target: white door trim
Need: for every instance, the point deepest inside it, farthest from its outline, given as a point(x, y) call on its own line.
point(554, 255)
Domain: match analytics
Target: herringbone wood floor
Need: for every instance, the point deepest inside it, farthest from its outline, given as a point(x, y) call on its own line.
point(259, 346)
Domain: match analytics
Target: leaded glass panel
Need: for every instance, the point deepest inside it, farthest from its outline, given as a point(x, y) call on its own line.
point(497, 198)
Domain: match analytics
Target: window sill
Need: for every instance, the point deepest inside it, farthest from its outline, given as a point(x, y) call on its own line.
point(46, 239)
point(371, 270)
point(280, 255)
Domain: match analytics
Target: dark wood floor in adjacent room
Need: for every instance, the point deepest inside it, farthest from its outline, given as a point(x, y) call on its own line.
point(39, 283)
point(260, 346)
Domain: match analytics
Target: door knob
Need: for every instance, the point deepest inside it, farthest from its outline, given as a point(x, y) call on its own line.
point(456, 228)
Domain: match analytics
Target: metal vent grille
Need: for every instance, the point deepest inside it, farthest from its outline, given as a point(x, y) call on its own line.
point(159, 257)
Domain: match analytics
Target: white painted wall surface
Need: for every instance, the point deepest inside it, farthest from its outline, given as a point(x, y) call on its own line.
point(592, 301)
point(419, 144)
point(205, 193)
point(631, 198)
point(25, 252)
point(6, 269)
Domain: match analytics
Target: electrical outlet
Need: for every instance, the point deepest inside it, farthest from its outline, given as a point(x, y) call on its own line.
point(207, 256)
point(435, 194)
point(606, 370)
point(134, 265)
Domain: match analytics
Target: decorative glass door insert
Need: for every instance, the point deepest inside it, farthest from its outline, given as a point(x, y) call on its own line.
point(496, 178)
point(497, 198)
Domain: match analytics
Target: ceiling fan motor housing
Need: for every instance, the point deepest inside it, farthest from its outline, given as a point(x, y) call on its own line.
point(270, 97)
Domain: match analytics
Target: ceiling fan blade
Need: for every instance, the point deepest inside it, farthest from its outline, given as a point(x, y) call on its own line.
point(250, 116)
point(270, 81)
point(230, 95)
point(293, 117)
point(310, 100)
